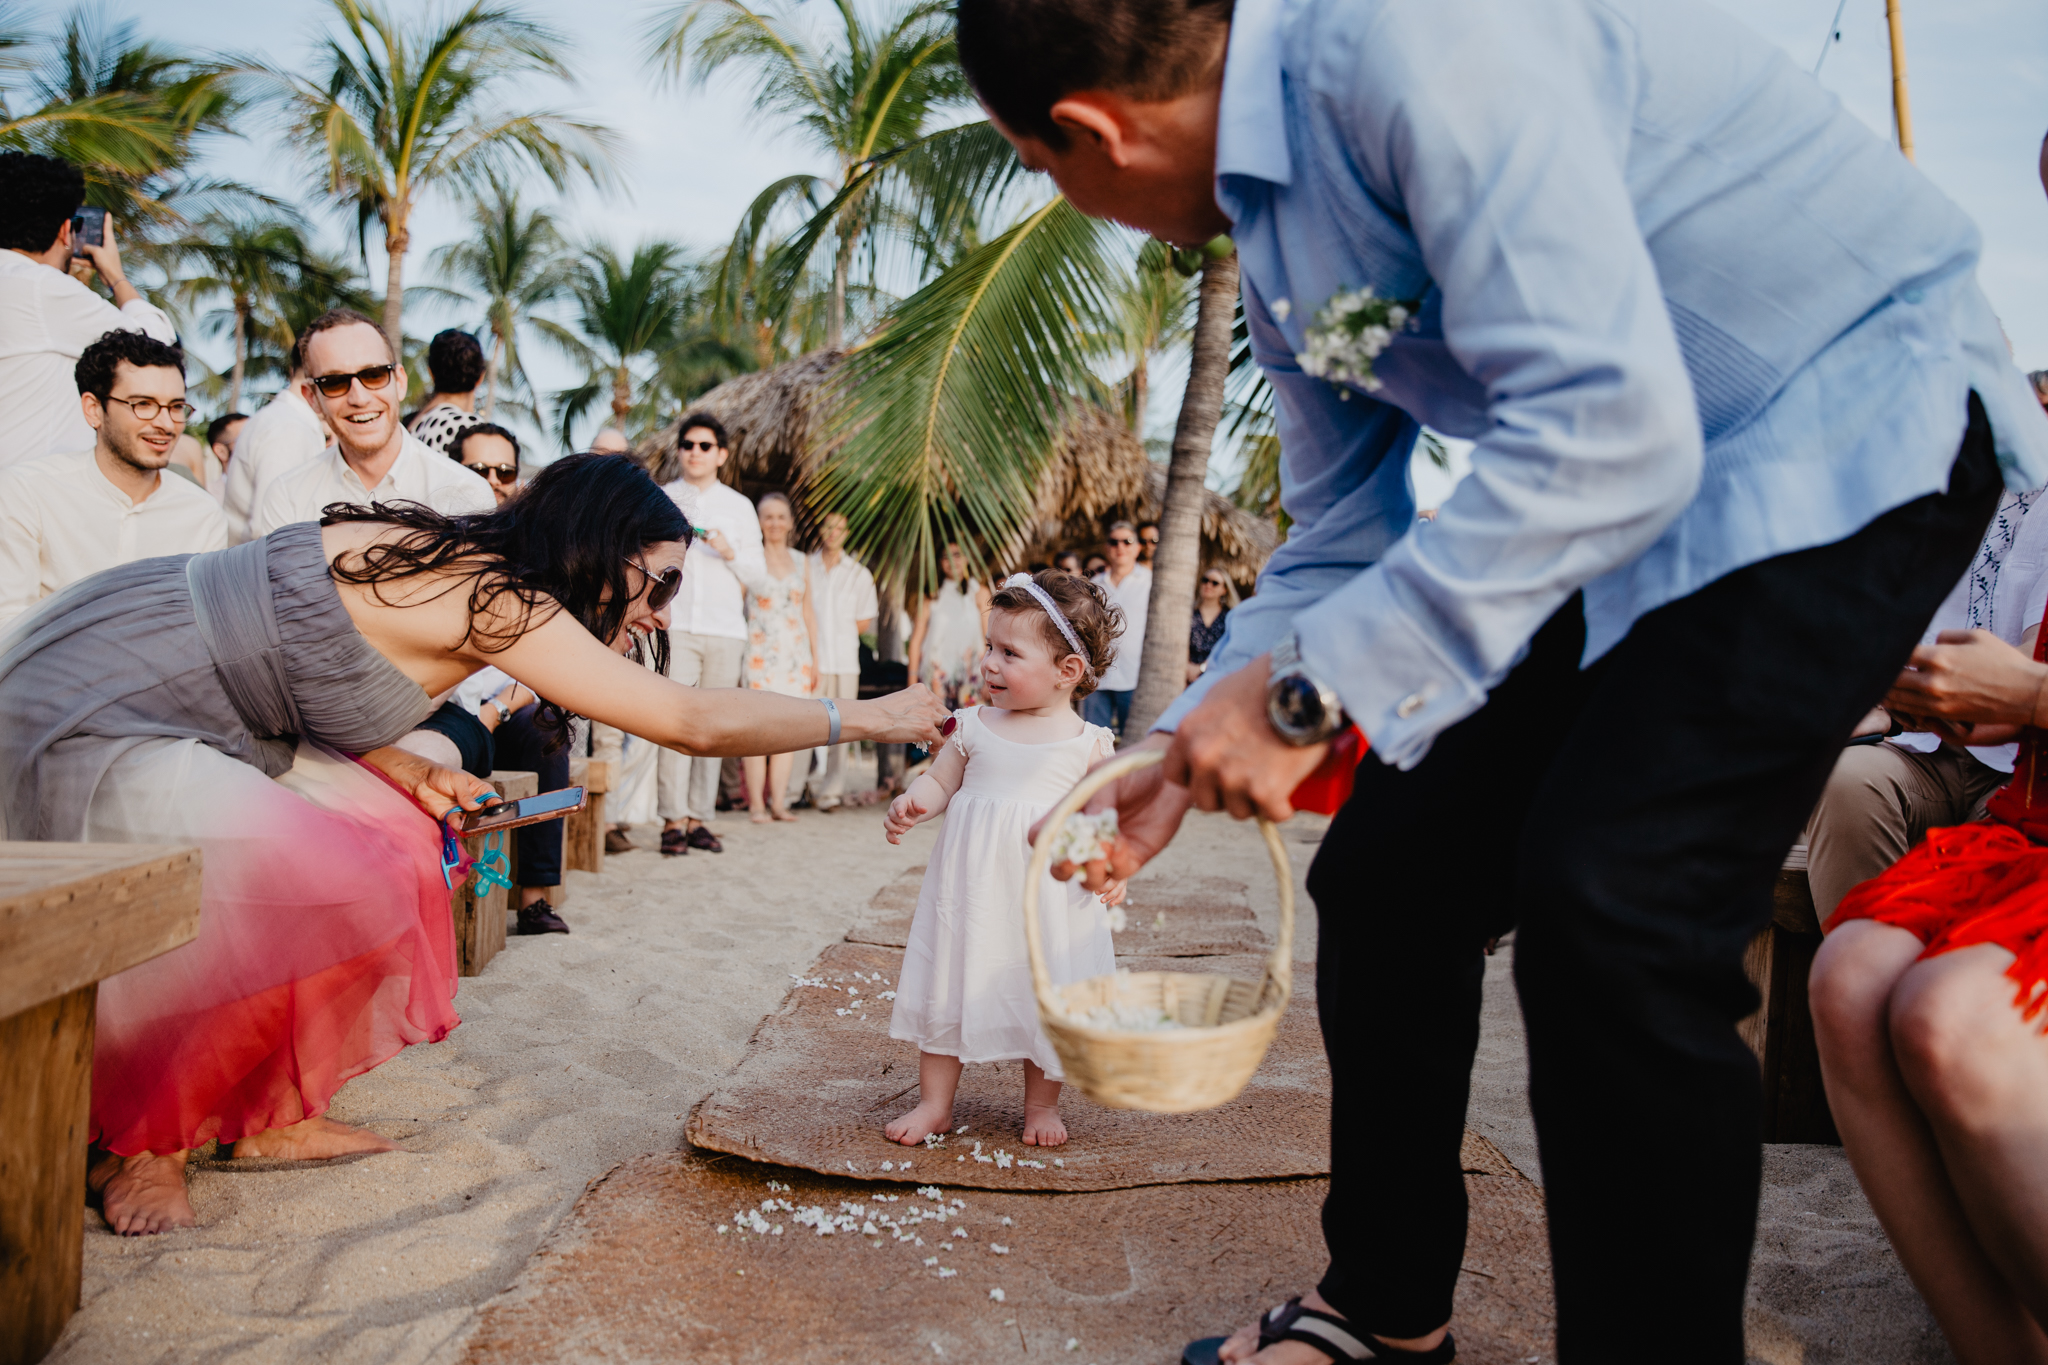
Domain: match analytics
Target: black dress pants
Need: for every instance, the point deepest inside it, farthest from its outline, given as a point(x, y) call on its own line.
point(522, 747)
point(1630, 819)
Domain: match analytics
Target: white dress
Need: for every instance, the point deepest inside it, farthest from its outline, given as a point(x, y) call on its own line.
point(965, 987)
point(953, 632)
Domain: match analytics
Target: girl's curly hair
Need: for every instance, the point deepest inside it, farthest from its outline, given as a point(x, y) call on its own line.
point(1096, 619)
point(567, 542)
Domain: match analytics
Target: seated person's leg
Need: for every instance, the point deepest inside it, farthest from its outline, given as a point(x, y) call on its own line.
point(1881, 800)
point(454, 738)
point(523, 747)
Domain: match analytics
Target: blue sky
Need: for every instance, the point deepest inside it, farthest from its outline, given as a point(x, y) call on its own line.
point(692, 159)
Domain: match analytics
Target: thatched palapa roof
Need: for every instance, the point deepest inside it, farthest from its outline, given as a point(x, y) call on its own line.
point(1101, 474)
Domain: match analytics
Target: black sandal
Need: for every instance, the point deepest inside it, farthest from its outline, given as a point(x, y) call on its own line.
point(1326, 1333)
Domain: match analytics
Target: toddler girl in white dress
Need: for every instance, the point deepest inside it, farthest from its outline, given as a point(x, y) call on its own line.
point(964, 994)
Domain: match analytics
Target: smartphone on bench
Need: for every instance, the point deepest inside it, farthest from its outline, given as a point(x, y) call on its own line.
point(528, 810)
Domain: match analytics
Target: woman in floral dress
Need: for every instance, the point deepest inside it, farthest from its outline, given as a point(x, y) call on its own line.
point(782, 651)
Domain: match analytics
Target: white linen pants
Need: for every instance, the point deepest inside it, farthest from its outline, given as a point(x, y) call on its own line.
point(688, 786)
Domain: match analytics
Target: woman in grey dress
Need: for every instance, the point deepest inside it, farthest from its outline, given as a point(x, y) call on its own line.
point(248, 701)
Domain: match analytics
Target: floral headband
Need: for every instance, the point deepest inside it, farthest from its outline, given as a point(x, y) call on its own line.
point(1059, 618)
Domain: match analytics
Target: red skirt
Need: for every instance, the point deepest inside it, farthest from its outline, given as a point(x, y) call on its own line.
point(1962, 886)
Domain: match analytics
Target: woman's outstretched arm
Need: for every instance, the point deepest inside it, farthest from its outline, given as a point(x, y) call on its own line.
point(563, 663)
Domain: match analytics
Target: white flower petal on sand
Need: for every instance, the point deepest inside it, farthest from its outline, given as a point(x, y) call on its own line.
point(946, 1274)
point(888, 1165)
point(931, 1260)
point(998, 1249)
point(997, 1295)
point(1073, 1343)
point(1006, 1221)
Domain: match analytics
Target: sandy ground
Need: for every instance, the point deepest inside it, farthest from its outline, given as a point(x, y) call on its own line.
point(577, 1053)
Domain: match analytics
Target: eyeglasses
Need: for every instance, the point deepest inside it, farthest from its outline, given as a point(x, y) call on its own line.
point(503, 473)
point(697, 445)
point(665, 585)
point(1114, 541)
point(147, 409)
point(338, 385)
point(1152, 539)
point(1213, 583)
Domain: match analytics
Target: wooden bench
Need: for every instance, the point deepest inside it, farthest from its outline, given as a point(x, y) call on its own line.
point(1781, 1031)
point(71, 915)
point(583, 835)
point(480, 919)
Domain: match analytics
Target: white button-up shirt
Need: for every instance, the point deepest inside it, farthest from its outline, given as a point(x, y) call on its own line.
point(712, 600)
point(285, 435)
point(61, 520)
point(1135, 598)
point(842, 598)
point(46, 320)
point(417, 475)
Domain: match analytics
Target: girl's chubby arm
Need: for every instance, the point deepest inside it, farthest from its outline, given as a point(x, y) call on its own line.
point(928, 795)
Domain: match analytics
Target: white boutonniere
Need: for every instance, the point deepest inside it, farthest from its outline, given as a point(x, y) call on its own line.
point(1349, 333)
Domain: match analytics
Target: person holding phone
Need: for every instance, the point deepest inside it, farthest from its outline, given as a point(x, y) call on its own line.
point(248, 701)
point(48, 315)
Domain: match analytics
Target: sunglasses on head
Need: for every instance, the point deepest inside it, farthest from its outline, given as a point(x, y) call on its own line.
point(665, 585)
point(503, 473)
point(338, 385)
point(696, 445)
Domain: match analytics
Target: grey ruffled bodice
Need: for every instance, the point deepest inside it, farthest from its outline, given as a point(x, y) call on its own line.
point(246, 649)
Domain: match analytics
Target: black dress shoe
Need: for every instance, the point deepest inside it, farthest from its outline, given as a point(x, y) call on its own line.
point(540, 918)
point(674, 843)
point(702, 837)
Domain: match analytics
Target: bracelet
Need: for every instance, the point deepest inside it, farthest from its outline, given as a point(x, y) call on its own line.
point(832, 710)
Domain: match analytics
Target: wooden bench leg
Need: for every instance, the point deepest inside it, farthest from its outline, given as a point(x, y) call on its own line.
point(1795, 1103)
point(45, 1101)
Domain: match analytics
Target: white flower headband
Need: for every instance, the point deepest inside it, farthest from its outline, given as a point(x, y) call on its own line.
point(1059, 618)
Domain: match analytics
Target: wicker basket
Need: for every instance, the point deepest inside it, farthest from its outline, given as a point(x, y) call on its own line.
point(1226, 1022)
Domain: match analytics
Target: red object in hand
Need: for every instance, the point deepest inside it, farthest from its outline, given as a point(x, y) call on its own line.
point(951, 724)
point(1325, 790)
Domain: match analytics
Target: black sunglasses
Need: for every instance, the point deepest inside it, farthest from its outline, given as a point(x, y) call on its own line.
point(338, 385)
point(665, 585)
point(503, 473)
point(696, 445)
point(1114, 541)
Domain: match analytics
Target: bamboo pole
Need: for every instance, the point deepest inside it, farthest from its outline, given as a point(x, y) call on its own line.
point(1902, 110)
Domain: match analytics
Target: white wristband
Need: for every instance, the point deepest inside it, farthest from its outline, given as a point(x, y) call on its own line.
point(832, 710)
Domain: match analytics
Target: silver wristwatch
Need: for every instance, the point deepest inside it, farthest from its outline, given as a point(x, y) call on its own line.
point(1301, 707)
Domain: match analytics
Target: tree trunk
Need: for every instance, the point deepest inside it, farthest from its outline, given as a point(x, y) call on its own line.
point(241, 355)
point(491, 375)
point(1140, 385)
point(397, 237)
point(1177, 564)
point(835, 316)
point(622, 396)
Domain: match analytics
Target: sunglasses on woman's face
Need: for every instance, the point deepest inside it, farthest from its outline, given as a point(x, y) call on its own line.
point(503, 473)
point(664, 585)
point(338, 385)
point(1212, 582)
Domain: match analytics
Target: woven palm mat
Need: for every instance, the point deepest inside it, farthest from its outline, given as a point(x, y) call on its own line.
point(821, 1077)
point(1168, 916)
point(639, 1271)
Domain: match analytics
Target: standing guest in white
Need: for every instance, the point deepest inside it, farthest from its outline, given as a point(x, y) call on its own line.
point(708, 637)
point(1129, 585)
point(47, 317)
point(284, 436)
point(356, 384)
point(65, 517)
point(845, 605)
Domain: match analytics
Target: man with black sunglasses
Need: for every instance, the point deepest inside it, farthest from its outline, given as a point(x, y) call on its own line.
point(355, 383)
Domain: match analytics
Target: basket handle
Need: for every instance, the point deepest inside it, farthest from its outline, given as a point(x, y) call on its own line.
point(1279, 967)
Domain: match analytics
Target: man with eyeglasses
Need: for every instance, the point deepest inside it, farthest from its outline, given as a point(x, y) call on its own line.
point(1128, 584)
point(48, 316)
point(66, 517)
point(355, 383)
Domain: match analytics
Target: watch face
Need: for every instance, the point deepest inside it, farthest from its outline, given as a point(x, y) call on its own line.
point(1296, 705)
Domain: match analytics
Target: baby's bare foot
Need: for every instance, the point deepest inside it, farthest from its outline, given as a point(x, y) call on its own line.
point(1042, 1126)
point(928, 1118)
point(142, 1194)
point(313, 1140)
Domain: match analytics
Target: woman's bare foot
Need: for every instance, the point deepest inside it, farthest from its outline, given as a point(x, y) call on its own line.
point(929, 1117)
point(142, 1194)
point(313, 1140)
point(760, 817)
point(1243, 1345)
point(1043, 1126)
point(781, 813)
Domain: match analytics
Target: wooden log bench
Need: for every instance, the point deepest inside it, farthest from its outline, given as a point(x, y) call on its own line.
point(1781, 1031)
point(480, 918)
point(71, 915)
point(583, 835)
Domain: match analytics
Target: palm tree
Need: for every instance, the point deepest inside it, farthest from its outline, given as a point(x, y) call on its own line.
point(629, 315)
point(1153, 309)
point(515, 262)
point(1162, 667)
point(251, 262)
point(400, 109)
point(864, 100)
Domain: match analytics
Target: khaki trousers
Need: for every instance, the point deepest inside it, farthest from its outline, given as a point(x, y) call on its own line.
point(686, 786)
point(839, 687)
point(1881, 800)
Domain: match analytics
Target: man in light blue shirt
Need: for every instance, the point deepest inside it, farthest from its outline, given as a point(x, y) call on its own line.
point(1737, 401)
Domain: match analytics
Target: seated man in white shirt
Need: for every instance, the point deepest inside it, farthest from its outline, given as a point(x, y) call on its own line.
point(285, 435)
point(47, 318)
point(66, 517)
point(355, 383)
point(1884, 796)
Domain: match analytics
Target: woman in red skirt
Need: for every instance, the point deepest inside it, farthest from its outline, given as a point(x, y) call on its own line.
point(1930, 998)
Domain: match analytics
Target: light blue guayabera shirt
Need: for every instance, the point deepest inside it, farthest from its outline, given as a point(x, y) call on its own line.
point(1692, 312)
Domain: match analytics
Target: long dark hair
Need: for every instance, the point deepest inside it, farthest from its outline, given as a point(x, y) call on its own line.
point(562, 544)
